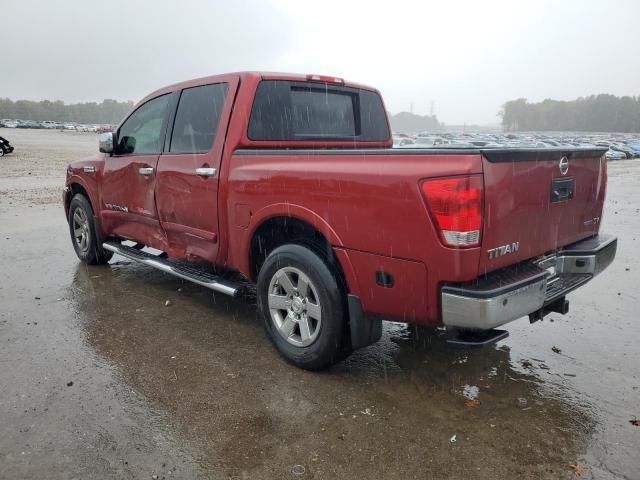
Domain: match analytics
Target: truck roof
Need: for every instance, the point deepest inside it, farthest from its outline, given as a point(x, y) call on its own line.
point(257, 75)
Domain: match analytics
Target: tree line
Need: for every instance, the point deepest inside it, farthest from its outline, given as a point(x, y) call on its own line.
point(596, 113)
point(108, 111)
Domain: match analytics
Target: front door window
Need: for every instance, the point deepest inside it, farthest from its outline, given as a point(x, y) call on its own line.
point(141, 133)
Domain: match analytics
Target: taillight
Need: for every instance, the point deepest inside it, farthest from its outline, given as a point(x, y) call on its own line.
point(455, 205)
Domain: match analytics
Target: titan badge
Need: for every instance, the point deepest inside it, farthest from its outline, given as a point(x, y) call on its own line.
point(117, 208)
point(503, 250)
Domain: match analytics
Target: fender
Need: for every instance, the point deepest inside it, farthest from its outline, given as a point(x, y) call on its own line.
point(90, 189)
point(91, 186)
point(241, 240)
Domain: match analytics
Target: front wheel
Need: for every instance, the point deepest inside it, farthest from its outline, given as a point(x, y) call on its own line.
point(84, 234)
point(303, 308)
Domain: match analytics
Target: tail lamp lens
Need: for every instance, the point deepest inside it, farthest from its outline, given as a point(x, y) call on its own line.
point(455, 205)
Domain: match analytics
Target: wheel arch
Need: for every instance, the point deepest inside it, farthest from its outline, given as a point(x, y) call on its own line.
point(76, 186)
point(273, 227)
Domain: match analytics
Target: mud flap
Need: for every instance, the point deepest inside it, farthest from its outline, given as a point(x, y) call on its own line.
point(364, 331)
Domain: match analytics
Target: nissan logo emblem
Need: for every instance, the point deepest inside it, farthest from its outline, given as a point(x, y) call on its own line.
point(564, 165)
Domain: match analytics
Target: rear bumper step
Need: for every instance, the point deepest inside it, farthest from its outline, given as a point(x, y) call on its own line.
point(524, 289)
point(474, 338)
point(184, 270)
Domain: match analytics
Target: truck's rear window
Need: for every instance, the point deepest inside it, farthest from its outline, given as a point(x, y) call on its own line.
point(285, 111)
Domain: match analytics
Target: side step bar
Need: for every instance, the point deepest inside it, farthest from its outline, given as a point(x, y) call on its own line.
point(464, 338)
point(184, 270)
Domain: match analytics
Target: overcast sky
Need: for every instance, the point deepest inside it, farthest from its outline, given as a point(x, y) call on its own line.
point(468, 57)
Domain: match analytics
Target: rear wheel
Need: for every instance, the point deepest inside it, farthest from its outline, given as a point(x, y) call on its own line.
point(84, 233)
point(303, 308)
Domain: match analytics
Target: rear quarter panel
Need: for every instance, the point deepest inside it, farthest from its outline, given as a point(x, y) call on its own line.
point(362, 201)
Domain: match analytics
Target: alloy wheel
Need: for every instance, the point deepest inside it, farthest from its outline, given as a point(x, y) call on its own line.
point(81, 233)
point(295, 307)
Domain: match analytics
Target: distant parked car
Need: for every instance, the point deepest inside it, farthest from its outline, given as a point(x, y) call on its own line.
point(8, 123)
point(432, 141)
point(68, 126)
point(402, 141)
point(517, 144)
point(615, 155)
point(456, 144)
point(479, 143)
point(619, 147)
point(28, 124)
point(635, 147)
point(104, 128)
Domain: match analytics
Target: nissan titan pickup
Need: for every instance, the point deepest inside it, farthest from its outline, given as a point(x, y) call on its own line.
point(287, 185)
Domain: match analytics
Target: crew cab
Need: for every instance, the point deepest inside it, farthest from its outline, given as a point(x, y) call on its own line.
point(288, 182)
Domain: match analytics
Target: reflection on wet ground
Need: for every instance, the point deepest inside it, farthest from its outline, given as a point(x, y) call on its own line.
point(390, 411)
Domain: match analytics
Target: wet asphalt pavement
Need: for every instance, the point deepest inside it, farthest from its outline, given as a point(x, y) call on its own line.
point(99, 378)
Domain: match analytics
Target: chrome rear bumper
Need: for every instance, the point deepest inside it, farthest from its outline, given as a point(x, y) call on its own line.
point(524, 289)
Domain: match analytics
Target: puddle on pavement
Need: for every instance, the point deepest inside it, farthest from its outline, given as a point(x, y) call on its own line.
point(390, 411)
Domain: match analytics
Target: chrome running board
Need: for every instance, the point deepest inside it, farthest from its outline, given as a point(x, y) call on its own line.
point(185, 270)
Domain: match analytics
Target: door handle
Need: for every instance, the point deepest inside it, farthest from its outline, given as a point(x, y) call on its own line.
point(205, 172)
point(146, 171)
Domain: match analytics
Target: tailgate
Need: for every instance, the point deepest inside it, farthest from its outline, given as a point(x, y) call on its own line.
point(538, 200)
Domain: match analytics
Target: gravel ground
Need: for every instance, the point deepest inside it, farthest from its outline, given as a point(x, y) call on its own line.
point(99, 379)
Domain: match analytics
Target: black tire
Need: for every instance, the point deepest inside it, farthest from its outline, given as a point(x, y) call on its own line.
point(88, 248)
point(332, 341)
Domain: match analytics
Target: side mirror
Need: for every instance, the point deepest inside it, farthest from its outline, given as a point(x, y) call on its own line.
point(106, 142)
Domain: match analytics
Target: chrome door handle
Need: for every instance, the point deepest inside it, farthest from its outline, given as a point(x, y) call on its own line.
point(205, 171)
point(146, 171)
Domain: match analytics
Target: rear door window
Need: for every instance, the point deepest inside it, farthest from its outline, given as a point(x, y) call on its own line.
point(197, 118)
point(285, 111)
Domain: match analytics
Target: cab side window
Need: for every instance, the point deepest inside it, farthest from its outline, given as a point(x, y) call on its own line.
point(197, 118)
point(142, 132)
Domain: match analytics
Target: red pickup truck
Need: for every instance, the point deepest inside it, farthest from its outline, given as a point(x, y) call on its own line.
point(288, 182)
